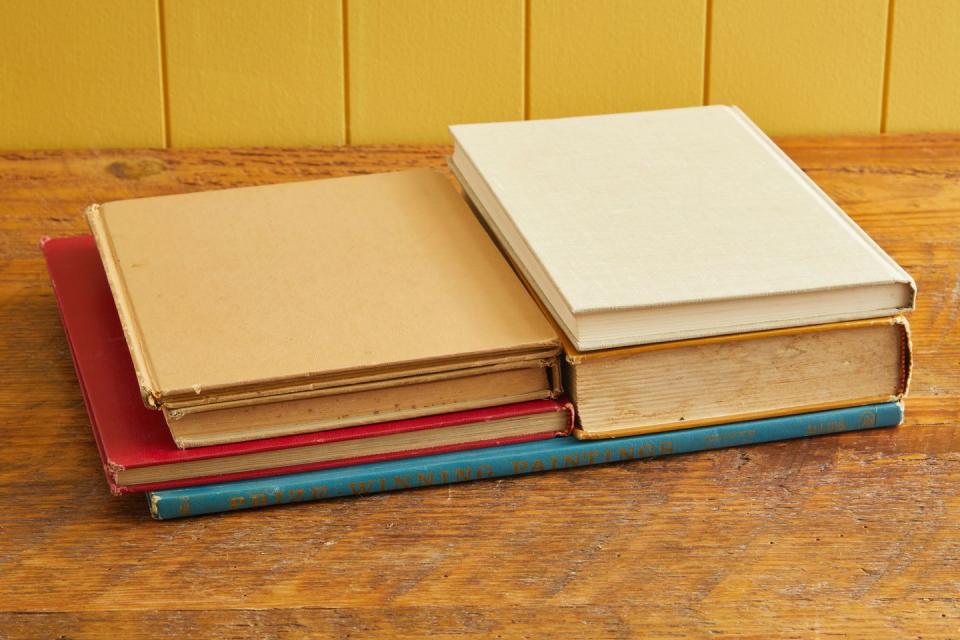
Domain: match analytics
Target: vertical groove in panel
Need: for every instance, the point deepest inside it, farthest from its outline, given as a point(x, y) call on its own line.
point(526, 59)
point(923, 87)
point(345, 35)
point(707, 42)
point(888, 51)
point(163, 74)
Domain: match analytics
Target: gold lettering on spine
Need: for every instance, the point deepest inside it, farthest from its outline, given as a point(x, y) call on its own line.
point(401, 482)
point(296, 495)
point(832, 426)
point(184, 506)
point(464, 474)
point(484, 471)
point(537, 465)
point(258, 500)
point(666, 448)
point(425, 479)
point(520, 466)
point(237, 501)
point(359, 488)
point(318, 492)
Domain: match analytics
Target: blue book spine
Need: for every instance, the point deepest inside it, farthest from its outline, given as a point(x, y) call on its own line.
point(510, 460)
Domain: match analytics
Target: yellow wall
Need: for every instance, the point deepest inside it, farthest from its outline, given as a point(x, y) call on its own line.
point(127, 73)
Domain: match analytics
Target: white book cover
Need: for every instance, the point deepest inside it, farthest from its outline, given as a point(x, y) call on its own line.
point(664, 225)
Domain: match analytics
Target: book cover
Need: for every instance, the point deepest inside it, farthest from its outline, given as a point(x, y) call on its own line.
point(135, 445)
point(495, 462)
point(246, 295)
point(648, 227)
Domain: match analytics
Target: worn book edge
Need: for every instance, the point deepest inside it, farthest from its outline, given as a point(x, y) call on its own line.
point(128, 321)
point(192, 440)
point(574, 356)
point(249, 395)
point(904, 376)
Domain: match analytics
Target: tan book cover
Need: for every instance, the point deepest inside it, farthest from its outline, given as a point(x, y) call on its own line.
point(244, 295)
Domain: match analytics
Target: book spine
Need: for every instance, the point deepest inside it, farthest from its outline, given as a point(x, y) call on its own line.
point(510, 460)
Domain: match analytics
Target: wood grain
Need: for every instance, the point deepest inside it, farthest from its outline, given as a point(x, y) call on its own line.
point(850, 535)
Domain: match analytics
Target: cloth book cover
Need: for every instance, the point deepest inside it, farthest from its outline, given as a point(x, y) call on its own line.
point(138, 452)
point(335, 291)
point(494, 462)
point(650, 227)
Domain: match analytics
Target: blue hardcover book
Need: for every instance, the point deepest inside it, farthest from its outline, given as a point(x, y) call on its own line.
point(509, 460)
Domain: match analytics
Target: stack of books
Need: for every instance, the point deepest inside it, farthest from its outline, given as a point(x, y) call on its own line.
point(610, 288)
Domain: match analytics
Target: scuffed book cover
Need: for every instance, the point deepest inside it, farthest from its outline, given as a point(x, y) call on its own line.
point(511, 460)
point(131, 436)
point(372, 244)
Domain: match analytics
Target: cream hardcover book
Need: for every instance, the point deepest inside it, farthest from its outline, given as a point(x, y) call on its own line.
point(649, 227)
point(291, 308)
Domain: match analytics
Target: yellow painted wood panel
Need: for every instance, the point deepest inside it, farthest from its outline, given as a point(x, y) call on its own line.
point(416, 66)
point(800, 66)
point(608, 56)
point(84, 73)
point(924, 90)
point(254, 72)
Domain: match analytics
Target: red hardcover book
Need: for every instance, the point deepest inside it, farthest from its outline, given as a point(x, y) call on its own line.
point(139, 454)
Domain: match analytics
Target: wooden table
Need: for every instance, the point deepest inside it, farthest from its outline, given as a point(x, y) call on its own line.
point(857, 534)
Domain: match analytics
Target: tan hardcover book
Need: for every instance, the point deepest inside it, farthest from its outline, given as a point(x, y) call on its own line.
point(708, 381)
point(265, 311)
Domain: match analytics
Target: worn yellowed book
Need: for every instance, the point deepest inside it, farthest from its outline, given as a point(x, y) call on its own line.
point(670, 386)
point(335, 302)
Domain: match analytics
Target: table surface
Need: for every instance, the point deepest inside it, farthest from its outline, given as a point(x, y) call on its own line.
point(854, 534)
